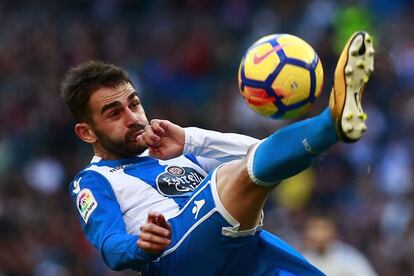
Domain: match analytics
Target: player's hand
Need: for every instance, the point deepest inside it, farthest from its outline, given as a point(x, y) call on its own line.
point(155, 234)
point(164, 139)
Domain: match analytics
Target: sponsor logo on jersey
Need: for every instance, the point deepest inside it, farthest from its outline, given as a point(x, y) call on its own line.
point(175, 180)
point(120, 167)
point(86, 204)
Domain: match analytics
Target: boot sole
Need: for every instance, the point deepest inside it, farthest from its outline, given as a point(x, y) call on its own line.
point(358, 68)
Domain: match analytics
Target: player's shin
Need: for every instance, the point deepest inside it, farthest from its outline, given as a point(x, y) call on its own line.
point(290, 150)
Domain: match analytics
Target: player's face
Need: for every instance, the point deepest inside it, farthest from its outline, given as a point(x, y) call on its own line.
point(118, 118)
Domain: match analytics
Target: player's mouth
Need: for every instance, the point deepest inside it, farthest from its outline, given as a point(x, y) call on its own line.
point(132, 136)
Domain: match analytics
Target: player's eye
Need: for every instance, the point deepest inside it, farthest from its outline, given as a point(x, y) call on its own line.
point(134, 104)
point(113, 114)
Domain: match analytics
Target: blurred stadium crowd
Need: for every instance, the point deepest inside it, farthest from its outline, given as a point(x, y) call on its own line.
point(183, 56)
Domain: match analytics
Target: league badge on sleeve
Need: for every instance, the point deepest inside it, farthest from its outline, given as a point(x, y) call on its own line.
point(86, 204)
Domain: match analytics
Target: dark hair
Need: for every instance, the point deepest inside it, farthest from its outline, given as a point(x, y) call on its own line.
point(82, 80)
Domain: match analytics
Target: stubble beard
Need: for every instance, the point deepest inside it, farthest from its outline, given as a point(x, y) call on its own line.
point(123, 148)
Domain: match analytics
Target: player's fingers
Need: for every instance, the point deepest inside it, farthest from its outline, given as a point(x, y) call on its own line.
point(152, 216)
point(174, 131)
point(149, 132)
point(150, 141)
point(165, 125)
point(140, 140)
point(154, 239)
point(150, 247)
point(143, 139)
point(160, 221)
point(156, 152)
point(168, 125)
point(155, 230)
point(156, 127)
point(150, 138)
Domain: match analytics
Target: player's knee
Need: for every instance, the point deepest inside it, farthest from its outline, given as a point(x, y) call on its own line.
point(233, 178)
point(255, 169)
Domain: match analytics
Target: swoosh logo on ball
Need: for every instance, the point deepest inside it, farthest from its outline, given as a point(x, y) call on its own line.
point(259, 59)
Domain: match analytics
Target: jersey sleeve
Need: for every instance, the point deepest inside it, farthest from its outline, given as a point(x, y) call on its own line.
point(212, 148)
point(101, 219)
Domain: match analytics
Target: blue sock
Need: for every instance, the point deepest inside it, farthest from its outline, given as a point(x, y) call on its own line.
point(291, 149)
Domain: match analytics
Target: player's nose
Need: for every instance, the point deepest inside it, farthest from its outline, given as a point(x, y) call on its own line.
point(130, 118)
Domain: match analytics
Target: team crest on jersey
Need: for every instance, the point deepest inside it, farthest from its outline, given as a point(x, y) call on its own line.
point(175, 180)
point(86, 204)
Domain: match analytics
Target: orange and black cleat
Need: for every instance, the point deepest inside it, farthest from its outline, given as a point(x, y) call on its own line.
point(352, 72)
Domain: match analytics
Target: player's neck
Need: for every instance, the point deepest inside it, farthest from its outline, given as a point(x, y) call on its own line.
point(106, 155)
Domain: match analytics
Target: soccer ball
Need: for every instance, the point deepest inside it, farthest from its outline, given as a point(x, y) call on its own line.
point(280, 76)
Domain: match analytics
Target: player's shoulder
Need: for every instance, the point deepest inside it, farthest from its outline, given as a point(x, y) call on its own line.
point(101, 173)
point(99, 168)
point(86, 179)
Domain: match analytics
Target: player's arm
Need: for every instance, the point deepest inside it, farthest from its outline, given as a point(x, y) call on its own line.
point(102, 222)
point(223, 147)
point(166, 140)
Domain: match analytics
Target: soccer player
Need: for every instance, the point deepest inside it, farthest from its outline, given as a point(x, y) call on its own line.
point(167, 200)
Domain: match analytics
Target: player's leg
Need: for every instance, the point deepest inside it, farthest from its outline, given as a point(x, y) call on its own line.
point(203, 227)
point(291, 149)
point(244, 186)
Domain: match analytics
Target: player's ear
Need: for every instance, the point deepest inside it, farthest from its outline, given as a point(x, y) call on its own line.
point(85, 133)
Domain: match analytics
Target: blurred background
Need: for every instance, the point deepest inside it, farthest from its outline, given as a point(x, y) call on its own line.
point(183, 57)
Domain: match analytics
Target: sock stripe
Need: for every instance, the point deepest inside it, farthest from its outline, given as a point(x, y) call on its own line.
point(250, 161)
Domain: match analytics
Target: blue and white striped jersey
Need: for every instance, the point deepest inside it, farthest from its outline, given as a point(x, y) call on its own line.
point(113, 197)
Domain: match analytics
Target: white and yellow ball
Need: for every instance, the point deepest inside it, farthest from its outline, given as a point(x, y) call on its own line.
point(280, 76)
